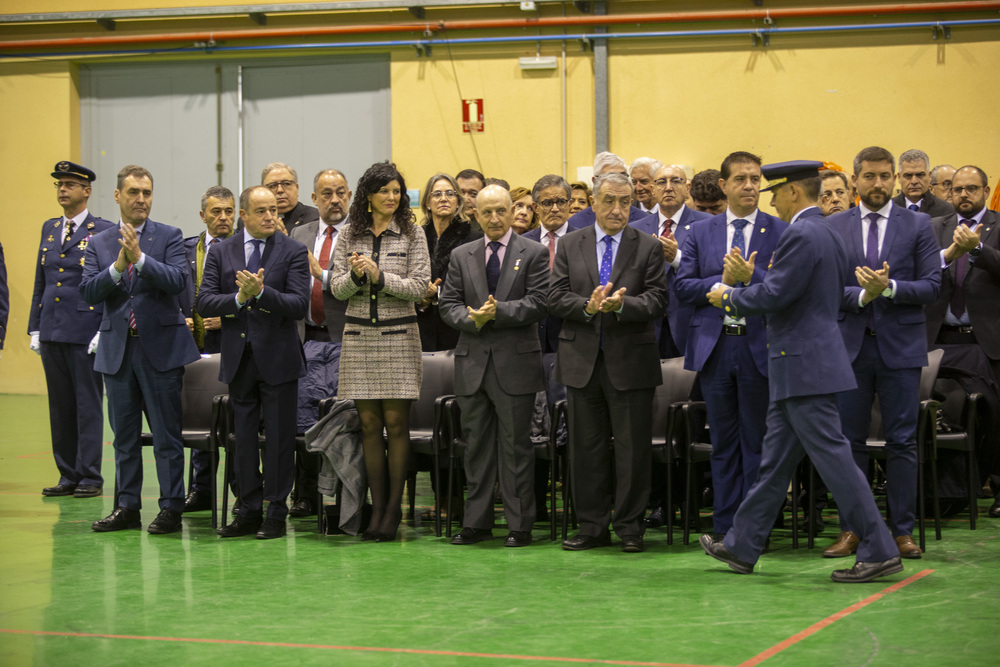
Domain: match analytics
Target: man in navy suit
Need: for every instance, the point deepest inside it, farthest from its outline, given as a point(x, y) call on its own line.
point(218, 212)
point(62, 326)
point(604, 163)
point(966, 315)
point(138, 271)
point(730, 353)
point(608, 286)
point(898, 272)
point(670, 225)
point(258, 282)
point(801, 295)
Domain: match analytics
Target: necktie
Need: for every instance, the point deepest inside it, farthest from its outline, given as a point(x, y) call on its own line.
point(198, 320)
point(70, 228)
point(605, 273)
point(913, 207)
point(738, 240)
point(871, 252)
point(493, 266)
point(668, 227)
point(551, 241)
point(131, 313)
point(253, 264)
point(316, 303)
point(958, 293)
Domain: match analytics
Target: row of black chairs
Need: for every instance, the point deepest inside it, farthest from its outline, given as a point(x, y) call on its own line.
point(680, 440)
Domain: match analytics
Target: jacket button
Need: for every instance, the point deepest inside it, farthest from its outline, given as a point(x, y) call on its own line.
point(91, 307)
point(60, 270)
point(57, 299)
point(63, 256)
point(58, 284)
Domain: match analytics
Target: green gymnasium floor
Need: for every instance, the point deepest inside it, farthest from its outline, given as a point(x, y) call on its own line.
point(69, 596)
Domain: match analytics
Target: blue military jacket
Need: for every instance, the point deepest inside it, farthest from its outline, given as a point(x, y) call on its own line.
point(58, 312)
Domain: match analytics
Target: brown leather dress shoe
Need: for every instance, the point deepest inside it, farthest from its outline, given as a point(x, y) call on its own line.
point(846, 544)
point(907, 548)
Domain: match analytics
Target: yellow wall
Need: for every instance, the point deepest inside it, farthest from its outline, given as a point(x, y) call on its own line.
point(39, 111)
point(687, 101)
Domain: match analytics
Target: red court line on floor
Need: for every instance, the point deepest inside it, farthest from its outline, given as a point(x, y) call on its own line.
point(375, 649)
point(816, 627)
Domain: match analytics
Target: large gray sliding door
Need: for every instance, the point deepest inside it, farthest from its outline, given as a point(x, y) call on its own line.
point(180, 120)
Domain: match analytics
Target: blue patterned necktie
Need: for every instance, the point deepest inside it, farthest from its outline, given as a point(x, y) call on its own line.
point(493, 266)
point(253, 264)
point(871, 253)
point(606, 260)
point(913, 207)
point(738, 240)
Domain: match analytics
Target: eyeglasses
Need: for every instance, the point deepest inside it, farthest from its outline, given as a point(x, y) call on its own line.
point(443, 194)
point(69, 185)
point(970, 190)
point(662, 182)
point(284, 185)
point(549, 203)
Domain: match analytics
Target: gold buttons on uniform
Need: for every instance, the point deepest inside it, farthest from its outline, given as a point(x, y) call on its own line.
point(57, 299)
point(58, 284)
point(63, 256)
point(60, 270)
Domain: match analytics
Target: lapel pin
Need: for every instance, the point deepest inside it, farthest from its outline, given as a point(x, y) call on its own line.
point(517, 264)
point(57, 224)
point(81, 261)
point(763, 229)
point(90, 225)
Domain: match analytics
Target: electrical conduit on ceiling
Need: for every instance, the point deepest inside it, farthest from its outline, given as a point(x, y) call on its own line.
point(206, 39)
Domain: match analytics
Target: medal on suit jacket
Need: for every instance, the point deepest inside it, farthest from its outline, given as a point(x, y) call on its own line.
point(517, 264)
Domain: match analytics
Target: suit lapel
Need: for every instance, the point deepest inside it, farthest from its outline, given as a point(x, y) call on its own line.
point(588, 248)
point(891, 228)
point(477, 271)
point(511, 264)
point(629, 243)
point(857, 243)
point(760, 232)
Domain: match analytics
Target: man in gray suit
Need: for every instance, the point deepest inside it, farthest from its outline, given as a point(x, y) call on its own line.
point(495, 294)
point(609, 285)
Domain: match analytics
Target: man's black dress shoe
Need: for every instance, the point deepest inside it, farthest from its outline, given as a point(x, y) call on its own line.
point(994, 510)
point(271, 528)
point(472, 536)
point(197, 501)
point(633, 544)
point(719, 552)
point(167, 521)
point(862, 572)
point(302, 507)
point(244, 524)
point(88, 491)
point(656, 518)
point(518, 538)
point(59, 490)
point(120, 519)
point(584, 542)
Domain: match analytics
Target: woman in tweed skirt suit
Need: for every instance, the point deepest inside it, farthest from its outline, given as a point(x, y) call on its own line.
point(382, 267)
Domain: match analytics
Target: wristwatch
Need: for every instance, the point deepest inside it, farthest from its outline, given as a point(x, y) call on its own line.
point(976, 251)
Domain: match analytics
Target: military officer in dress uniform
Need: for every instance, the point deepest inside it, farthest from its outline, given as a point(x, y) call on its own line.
point(62, 326)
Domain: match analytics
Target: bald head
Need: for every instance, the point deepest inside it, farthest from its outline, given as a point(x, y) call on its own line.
point(495, 211)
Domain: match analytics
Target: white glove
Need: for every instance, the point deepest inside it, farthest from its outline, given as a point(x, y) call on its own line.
point(92, 348)
point(35, 345)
